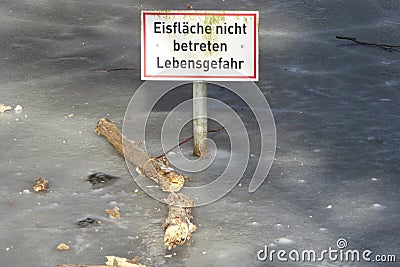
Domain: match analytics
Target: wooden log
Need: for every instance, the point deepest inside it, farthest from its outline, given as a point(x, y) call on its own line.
point(156, 169)
point(178, 226)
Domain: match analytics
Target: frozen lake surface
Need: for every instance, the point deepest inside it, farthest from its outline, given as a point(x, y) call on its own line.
point(336, 106)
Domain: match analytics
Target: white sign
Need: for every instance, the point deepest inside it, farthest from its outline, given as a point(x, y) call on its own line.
point(200, 45)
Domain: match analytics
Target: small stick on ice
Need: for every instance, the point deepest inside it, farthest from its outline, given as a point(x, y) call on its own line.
point(40, 184)
point(353, 39)
point(4, 108)
point(112, 261)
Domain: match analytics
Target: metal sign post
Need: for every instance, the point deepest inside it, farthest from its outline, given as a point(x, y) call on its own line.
point(199, 46)
point(200, 118)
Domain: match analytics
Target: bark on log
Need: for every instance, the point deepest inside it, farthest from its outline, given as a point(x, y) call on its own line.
point(156, 169)
point(178, 227)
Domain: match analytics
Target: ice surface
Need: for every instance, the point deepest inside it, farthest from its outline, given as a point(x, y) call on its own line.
point(336, 106)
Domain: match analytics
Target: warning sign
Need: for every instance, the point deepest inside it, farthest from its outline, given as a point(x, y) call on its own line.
point(200, 45)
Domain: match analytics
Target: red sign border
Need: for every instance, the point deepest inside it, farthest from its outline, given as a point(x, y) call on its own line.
point(208, 13)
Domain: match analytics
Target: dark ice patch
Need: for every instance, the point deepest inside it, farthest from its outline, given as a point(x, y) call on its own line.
point(87, 222)
point(100, 179)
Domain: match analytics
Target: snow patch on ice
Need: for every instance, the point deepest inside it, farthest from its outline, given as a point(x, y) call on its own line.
point(276, 33)
point(284, 241)
point(80, 244)
point(378, 206)
point(105, 196)
point(53, 206)
point(18, 108)
point(388, 62)
point(392, 83)
point(297, 70)
point(255, 223)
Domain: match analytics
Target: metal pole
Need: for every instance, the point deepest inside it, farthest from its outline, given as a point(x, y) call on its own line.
point(199, 118)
